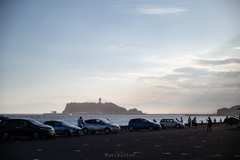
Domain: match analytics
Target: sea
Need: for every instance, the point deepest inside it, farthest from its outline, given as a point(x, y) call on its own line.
point(118, 119)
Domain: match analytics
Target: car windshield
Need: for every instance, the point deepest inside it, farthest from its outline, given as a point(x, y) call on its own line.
point(37, 123)
point(106, 121)
point(150, 120)
point(65, 124)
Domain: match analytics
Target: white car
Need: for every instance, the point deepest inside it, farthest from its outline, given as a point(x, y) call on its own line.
point(171, 123)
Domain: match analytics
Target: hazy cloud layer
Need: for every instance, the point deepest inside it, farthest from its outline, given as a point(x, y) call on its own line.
point(192, 78)
point(154, 10)
point(226, 61)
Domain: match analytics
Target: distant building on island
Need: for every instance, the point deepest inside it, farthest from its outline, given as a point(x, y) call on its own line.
point(89, 108)
point(229, 111)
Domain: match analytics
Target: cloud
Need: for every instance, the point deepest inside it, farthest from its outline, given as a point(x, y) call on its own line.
point(197, 80)
point(156, 10)
point(226, 61)
point(236, 48)
point(192, 71)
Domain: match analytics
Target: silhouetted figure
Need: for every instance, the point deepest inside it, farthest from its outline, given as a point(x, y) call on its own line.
point(80, 122)
point(214, 121)
point(209, 125)
point(154, 120)
point(189, 121)
point(181, 120)
point(220, 120)
point(177, 119)
point(226, 121)
point(202, 122)
point(194, 122)
point(230, 120)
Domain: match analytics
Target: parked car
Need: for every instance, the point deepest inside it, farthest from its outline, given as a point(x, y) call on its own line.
point(171, 123)
point(25, 127)
point(100, 125)
point(64, 128)
point(142, 123)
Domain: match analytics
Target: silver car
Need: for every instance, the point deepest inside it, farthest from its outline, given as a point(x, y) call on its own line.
point(171, 123)
point(100, 125)
point(64, 128)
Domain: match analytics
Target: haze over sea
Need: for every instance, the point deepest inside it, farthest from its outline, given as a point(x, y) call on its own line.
point(118, 119)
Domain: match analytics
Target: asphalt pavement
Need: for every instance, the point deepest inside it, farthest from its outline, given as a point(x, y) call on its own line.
point(222, 143)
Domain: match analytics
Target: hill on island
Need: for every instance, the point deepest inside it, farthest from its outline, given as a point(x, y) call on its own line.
point(97, 108)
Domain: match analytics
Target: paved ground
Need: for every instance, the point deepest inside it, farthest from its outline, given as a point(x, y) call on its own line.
point(222, 143)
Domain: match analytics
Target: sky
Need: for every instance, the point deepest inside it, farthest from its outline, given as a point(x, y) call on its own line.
point(158, 56)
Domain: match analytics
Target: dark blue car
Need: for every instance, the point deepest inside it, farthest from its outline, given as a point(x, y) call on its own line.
point(142, 123)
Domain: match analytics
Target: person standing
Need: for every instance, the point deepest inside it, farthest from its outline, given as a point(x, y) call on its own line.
point(214, 121)
point(209, 125)
point(230, 121)
point(226, 121)
point(194, 124)
point(80, 122)
point(181, 120)
point(189, 121)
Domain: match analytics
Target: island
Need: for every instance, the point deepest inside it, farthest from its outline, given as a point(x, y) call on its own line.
point(91, 108)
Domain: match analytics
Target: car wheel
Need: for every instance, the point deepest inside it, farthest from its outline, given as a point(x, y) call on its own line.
point(151, 128)
point(5, 135)
point(107, 130)
point(85, 131)
point(36, 135)
point(177, 126)
point(66, 133)
point(131, 128)
point(163, 127)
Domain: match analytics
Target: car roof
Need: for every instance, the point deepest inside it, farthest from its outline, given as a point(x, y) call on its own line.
point(137, 118)
point(96, 119)
point(28, 119)
point(55, 121)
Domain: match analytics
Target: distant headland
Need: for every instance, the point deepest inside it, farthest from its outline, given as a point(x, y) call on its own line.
point(91, 108)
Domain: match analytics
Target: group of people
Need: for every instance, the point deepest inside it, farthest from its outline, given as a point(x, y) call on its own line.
point(228, 121)
point(209, 123)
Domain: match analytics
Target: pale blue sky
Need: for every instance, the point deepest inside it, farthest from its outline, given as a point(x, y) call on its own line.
point(157, 56)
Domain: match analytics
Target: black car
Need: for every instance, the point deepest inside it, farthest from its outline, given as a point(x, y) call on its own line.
point(25, 127)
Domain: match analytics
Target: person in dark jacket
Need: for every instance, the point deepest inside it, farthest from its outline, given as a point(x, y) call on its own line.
point(209, 124)
point(226, 121)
